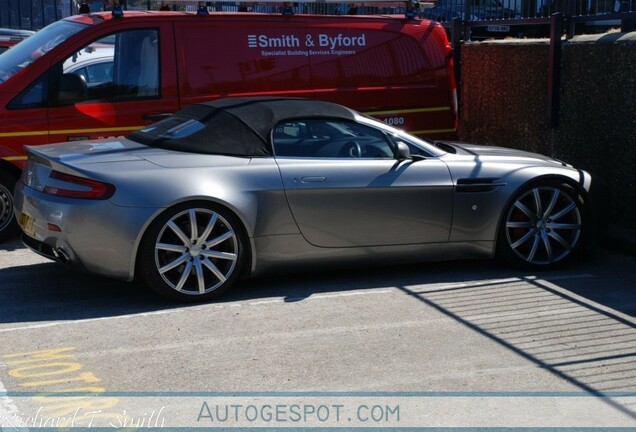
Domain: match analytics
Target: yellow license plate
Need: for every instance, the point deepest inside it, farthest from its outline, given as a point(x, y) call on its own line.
point(26, 223)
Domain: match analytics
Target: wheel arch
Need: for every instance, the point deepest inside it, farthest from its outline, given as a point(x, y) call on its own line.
point(578, 187)
point(243, 226)
point(12, 169)
point(9, 176)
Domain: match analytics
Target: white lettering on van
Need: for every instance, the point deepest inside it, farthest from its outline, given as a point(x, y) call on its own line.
point(264, 41)
point(341, 41)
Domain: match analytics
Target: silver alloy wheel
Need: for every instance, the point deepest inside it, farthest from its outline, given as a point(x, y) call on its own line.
point(544, 225)
point(196, 251)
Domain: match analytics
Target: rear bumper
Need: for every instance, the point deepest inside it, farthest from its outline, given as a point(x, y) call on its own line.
point(95, 236)
point(44, 250)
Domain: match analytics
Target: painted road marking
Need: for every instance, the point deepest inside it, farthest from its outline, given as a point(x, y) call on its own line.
point(53, 374)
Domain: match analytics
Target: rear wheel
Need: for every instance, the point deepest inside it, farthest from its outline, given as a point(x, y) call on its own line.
point(8, 224)
point(192, 252)
point(544, 226)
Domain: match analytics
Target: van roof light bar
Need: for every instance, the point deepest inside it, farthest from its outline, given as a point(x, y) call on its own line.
point(203, 9)
point(412, 6)
point(117, 11)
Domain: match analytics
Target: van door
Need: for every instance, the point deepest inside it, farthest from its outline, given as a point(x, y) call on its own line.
point(110, 86)
point(242, 56)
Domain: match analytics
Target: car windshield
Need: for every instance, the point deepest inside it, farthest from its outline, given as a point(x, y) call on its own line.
point(26, 52)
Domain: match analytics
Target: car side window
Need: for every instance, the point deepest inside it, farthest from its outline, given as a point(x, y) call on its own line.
point(330, 138)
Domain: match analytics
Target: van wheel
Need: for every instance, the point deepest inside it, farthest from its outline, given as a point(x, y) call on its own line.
point(193, 252)
point(543, 226)
point(8, 224)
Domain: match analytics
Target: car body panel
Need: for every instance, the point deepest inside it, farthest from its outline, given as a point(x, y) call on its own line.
point(387, 198)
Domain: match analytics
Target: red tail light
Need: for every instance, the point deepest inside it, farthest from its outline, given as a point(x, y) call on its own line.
point(86, 188)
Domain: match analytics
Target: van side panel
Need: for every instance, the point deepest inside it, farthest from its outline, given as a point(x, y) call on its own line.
point(20, 128)
point(240, 57)
point(394, 71)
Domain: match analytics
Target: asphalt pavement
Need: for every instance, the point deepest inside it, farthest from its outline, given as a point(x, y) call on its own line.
point(463, 343)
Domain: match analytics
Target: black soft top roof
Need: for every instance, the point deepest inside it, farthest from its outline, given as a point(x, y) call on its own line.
point(233, 126)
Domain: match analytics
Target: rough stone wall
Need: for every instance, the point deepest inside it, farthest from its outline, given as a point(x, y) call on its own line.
point(504, 102)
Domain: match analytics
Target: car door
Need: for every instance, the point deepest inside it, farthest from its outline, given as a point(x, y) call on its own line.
point(346, 189)
point(139, 89)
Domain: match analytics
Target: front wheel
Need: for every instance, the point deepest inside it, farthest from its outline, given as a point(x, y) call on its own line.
point(8, 224)
point(192, 252)
point(544, 226)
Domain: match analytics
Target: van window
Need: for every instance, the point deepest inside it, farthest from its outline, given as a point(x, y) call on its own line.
point(327, 138)
point(121, 66)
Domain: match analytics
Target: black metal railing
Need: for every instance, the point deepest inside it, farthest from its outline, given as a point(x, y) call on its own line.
point(531, 18)
point(480, 18)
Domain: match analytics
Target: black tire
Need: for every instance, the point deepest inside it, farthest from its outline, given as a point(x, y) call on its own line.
point(192, 265)
point(8, 224)
point(544, 226)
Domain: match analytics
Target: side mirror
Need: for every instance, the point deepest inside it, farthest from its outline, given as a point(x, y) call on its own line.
point(403, 152)
point(69, 89)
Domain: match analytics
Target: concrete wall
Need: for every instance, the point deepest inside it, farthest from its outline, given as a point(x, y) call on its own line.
point(504, 102)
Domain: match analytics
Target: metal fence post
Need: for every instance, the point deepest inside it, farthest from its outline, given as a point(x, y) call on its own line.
point(554, 69)
point(468, 12)
point(456, 42)
point(570, 11)
point(629, 24)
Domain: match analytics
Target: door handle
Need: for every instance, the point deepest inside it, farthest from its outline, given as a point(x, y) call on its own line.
point(313, 179)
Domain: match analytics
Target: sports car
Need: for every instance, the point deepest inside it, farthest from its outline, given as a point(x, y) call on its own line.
point(240, 186)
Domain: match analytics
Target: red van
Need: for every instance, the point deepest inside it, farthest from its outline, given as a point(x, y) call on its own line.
point(91, 76)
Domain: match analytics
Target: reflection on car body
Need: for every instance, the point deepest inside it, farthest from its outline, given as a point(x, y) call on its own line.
point(94, 63)
point(241, 186)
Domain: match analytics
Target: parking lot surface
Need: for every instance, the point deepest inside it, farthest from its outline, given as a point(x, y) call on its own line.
point(449, 330)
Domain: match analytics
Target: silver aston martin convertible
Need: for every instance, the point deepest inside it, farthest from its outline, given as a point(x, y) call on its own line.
point(239, 186)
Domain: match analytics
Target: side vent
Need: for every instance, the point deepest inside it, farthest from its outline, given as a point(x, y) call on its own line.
point(486, 184)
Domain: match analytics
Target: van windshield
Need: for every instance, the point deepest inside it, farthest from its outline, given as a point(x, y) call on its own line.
point(26, 52)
